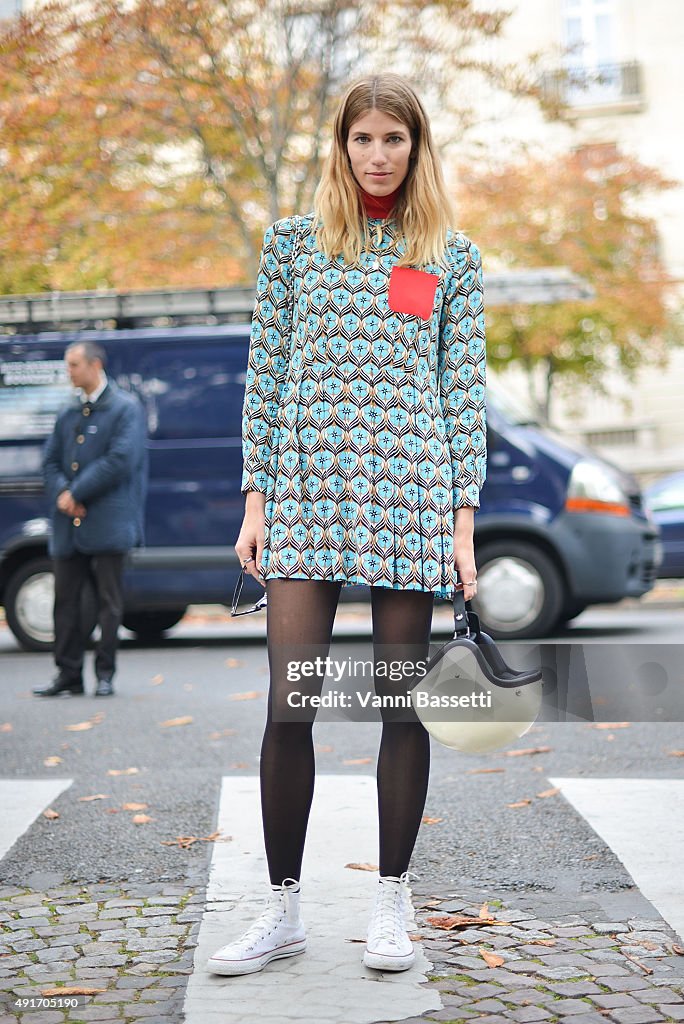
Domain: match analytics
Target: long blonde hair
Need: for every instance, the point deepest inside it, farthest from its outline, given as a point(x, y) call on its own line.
point(423, 212)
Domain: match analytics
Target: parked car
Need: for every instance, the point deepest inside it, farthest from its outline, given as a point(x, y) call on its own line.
point(665, 499)
point(558, 528)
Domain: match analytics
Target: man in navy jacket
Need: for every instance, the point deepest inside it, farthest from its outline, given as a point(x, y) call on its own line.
point(95, 470)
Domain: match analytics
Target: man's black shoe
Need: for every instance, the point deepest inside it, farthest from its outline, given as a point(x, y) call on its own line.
point(104, 688)
point(59, 686)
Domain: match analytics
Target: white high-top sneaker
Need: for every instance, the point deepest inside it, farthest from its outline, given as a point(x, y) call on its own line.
point(278, 932)
point(388, 947)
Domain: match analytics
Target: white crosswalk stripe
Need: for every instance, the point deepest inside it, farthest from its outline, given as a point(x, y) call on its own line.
point(336, 903)
point(21, 801)
point(642, 821)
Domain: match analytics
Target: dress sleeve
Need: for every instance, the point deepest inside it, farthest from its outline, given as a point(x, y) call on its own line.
point(462, 373)
point(269, 356)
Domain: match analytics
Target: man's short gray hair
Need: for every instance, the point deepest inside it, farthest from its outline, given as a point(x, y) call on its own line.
point(92, 350)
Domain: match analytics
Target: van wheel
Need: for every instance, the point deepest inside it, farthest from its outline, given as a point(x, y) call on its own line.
point(29, 600)
point(520, 590)
point(151, 625)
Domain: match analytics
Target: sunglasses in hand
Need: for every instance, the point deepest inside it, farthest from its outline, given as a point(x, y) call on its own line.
point(261, 603)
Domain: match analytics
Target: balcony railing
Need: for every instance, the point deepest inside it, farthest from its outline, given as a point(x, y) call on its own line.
point(602, 85)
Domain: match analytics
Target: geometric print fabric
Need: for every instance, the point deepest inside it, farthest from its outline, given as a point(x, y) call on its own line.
point(363, 426)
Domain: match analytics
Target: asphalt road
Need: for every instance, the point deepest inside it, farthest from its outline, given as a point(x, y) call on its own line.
point(202, 672)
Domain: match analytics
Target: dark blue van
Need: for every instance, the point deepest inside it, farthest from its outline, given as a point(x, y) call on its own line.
point(558, 528)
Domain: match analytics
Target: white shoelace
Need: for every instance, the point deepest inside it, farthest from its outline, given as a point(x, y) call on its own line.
point(388, 914)
point(407, 892)
point(271, 917)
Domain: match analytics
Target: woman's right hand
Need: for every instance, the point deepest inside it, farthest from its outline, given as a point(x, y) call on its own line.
point(250, 544)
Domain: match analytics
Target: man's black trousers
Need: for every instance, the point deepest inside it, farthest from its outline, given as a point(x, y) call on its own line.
point(105, 572)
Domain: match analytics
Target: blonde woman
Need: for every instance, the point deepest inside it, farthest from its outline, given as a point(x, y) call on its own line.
point(364, 455)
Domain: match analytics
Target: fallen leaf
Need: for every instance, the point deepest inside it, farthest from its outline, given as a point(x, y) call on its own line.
point(122, 771)
point(431, 821)
point(95, 796)
point(113, 810)
point(362, 867)
point(141, 819)
point(647, 970)
point(449, 921)
point(250, 695)
point(323, 748)
point(609, 725)
point(184, 842)
point(675, 753)
point(183, 720)
point(527, 750)
point(222, 733)
point(49, 813)
point(156, 680)
point(71, 990)
point(239, 765)
point(53, 760)
point(79, 726)
point(646, 943)
point(591, 856)
point(135, 807)
point(491, 959)
point(520, 803)
point(6, 727)
point(677, 949)
point(358, 760)
point(542, 942)
point(548, 792)
point(232, 663)
point(484, 771)
point(484, 910)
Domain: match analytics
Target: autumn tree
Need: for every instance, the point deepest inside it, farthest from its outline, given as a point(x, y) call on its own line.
point(584, 211)
point(149, 143)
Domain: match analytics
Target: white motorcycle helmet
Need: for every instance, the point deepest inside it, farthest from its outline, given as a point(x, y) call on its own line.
point(469, 699)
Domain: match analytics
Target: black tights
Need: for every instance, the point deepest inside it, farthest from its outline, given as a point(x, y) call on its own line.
point(300, 619)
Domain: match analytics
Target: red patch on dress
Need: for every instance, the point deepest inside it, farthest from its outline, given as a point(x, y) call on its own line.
point(412, 291)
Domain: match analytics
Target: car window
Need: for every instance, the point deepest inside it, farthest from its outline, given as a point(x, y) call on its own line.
point(670, 497)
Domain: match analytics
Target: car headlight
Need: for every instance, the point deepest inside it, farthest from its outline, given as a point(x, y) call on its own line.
point(593, 488)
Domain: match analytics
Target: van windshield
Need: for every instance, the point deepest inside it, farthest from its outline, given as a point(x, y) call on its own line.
point(31, 395)
point(516, 410)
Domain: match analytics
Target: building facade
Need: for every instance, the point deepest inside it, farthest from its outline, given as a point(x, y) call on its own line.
point(629, 58)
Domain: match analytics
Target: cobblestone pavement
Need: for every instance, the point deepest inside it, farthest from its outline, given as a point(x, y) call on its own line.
point(135, 944)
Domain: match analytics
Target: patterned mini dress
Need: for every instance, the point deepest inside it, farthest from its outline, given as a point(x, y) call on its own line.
point(363, 420)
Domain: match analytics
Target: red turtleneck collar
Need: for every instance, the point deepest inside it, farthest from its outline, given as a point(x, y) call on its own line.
point(379, 206)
